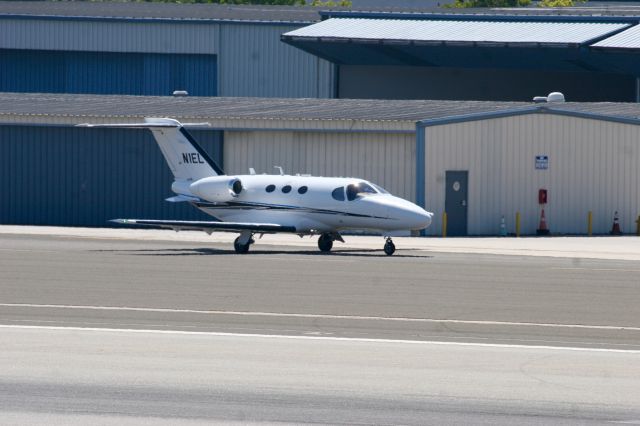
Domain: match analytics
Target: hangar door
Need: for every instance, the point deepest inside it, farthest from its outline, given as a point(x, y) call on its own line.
point(70, 176)
point(44, 71)
point(404, 82)
point(456, 202)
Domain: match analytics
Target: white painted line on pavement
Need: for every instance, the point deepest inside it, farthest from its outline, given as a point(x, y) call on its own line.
point(325, 338)
point(319, 316)
point(596, 269)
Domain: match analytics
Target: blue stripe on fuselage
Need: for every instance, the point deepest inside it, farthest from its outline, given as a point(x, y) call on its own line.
point(249, 205)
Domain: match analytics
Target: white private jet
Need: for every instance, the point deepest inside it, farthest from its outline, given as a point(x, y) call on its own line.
point(261, 204)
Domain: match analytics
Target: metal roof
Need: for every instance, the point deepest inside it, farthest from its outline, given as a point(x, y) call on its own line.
point(122, 10)
point(627, 39)
point(237, 108)
point(588, 12)
point(83, 106)
point(455, 32)
point(156, 11)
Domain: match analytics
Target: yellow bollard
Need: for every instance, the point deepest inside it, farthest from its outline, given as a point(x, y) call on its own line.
point(444, 224)
point(590, 223)
point(517, 224)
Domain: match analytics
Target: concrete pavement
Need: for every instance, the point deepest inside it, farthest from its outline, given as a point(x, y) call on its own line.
point(70, 375)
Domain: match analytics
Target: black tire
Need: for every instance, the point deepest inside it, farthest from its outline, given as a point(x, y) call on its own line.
point(389, 248)
point(241, 248)
point(325, 243)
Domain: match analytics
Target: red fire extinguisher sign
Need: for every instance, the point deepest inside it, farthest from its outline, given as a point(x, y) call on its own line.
point(542, 196)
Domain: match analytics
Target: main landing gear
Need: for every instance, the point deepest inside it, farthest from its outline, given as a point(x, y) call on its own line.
point(242, 243)
point(389, 247)
point(325, 243)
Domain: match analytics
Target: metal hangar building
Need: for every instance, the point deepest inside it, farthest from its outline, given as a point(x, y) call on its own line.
point(145, 48)
point(588, 54)
point(140, 48)
point(55, 173)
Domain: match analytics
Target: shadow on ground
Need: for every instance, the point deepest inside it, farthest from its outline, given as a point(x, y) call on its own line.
point(206, 251)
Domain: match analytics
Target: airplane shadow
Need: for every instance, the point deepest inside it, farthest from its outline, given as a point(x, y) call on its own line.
point(205, 251)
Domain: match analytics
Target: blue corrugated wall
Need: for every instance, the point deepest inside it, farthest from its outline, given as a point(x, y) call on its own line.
point(83, 177)
point(107, 72)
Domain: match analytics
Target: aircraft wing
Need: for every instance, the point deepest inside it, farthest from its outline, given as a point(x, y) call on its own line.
point(179, 225)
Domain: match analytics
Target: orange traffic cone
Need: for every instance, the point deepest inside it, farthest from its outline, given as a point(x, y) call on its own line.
point(615, 229)
point(542, 228)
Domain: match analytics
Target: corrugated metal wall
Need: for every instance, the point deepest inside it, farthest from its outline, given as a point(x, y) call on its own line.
point(594, 166)
point(108, 36)
point(106, 73)
point(252, 60)
point(84, 177)
point(384, 158)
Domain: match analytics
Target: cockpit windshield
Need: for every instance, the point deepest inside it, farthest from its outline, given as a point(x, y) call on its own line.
point(380, 189)
point(357, 189)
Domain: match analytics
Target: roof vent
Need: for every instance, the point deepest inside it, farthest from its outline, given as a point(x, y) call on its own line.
point(180, 93)
point(555, 97)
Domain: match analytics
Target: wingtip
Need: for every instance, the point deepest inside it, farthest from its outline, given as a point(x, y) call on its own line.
point(122, 221)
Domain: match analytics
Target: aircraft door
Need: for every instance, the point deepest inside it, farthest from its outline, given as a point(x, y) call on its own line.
point(456, 204)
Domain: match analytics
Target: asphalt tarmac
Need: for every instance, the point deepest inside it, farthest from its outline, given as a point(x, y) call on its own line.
point(285, 334)
point(414, 294)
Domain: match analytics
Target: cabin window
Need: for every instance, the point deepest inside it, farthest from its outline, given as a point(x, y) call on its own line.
point(356, 189)
point(338, 194)
point(302, 190)
point(286, 189)
point(270, 188)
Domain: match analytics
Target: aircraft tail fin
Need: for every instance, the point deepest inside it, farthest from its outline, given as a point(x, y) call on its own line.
point(186, 159)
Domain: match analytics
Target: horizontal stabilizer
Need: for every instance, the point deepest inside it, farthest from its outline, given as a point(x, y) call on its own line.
point(209, 227)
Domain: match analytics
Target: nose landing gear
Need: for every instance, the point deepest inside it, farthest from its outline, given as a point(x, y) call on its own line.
point(389, 247)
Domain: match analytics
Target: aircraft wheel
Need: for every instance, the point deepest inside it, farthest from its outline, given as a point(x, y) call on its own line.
point(241, 248)
point(389, 247)
point(325, 242)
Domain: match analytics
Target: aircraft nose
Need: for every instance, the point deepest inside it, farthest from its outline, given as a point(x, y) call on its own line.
point(417, 217)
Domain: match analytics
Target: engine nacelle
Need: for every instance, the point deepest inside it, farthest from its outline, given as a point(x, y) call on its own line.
point(217, 188)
